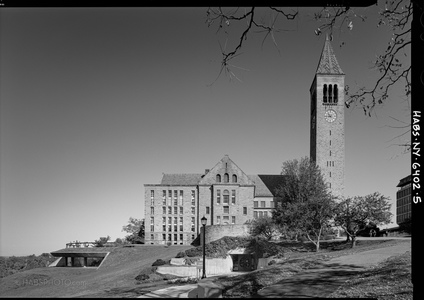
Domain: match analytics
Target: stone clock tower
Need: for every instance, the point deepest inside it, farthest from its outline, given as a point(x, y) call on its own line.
point(327, 144)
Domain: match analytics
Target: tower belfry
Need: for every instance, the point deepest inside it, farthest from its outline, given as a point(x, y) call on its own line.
point(327, 141)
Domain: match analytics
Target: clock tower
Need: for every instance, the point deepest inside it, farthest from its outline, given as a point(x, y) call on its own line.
point(327, 138)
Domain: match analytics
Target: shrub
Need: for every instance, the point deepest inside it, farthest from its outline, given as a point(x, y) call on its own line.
point(142, 277)
point(180, 254)
point(160, 262)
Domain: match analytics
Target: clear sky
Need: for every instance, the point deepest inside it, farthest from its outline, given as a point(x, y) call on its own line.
point(97, 102)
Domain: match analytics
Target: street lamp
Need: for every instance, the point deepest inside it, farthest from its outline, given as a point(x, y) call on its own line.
point(204, 220)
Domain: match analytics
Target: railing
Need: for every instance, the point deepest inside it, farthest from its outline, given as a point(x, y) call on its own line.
point(77, 244)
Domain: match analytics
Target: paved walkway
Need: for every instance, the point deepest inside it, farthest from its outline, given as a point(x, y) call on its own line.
point(312, 283)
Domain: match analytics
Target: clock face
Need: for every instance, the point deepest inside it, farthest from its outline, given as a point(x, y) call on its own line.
point(330, 115)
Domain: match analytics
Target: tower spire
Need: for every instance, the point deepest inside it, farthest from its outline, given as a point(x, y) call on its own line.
point(328, 62)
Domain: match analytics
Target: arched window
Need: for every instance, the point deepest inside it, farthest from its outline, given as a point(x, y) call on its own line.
point(234, 178)
point(336, 94)
point(218, 178)
point(325, 93)
point(226, 177)
point(330, 93)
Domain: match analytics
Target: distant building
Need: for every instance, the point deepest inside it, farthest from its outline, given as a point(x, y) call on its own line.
point(225, 195)
point(403, 199)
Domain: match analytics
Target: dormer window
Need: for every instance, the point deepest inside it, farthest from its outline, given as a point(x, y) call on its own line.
point(218, 178)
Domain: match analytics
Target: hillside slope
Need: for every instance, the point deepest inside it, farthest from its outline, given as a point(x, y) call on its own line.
point(118, 270)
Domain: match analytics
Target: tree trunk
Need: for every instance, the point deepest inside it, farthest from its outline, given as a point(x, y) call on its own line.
point(353, 241)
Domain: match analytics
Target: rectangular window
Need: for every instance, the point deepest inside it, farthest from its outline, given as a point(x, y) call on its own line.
point(163, 223)
point(181, 223)
point(152, 220)
point(152, 210)
point(245, 210)
point(169, 197)
point(330, 174)
point(169, 223)
point(152, 194)
point(164, 197)
point(255, 204)
point(175, 197)
point(255, 214)
point(272, 203)
point(233, 197)
point(164, 210)
point(193, 210)
point(207, 210)
point(192, 224)
point(164, 237)
point(192, 236)
point(226, 219)
point(262, 203)
point(193, 198)
point(181, 197)
point(233, 219)
point(175, 210)
point(265, 213)
point(175, 236)
point(152, 228)
point(218, 196)
point(330, 152)
point(226, 199)
point(218, 219)
point(261, 214)
point(181, 236)
point(175, 224)
point(226, 209)
point(181, 210)
point(152, 198)
point(152, 237)
point(170, 210)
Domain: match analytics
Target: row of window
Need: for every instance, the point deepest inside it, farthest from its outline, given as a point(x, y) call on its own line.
point(226, 197)
point(403, 201)
point(172, 226)
point(256, 203)
point(330, 93)
point(171, 237)
point(225, 220)
point(168, 210)
point(403, 192)
point(226, 210)
point(260, 214)
point(175, 197)
point(330, 163)
point(227, 178)
point(403, 217)
point(403, 209)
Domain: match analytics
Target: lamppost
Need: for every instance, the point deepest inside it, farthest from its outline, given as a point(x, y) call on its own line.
point(203, 220)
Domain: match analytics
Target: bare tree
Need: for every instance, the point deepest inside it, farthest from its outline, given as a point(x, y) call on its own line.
point(393, 66)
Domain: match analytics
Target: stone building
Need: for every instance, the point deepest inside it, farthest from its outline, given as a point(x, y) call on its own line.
point(225, 195)
point(403, 199)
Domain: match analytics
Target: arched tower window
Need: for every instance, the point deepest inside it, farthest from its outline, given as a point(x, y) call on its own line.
point(325, 93)
point(218, 178)
point(336, 94)
point(330, 93)
point(234, 178)
point(226, 177)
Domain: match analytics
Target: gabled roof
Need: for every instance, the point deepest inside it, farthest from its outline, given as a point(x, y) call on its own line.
point(272, 182)
point(265, 185)
point(181, 179)
point(328, 63)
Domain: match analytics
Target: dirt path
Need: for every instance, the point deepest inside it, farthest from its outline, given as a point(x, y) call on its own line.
point(325, 278)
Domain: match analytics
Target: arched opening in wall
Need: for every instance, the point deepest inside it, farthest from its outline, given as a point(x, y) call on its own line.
point(234, 178)
point(336, 94)
point(218, 178)
point(330, 93)
point(324, 92)
point(226, 178)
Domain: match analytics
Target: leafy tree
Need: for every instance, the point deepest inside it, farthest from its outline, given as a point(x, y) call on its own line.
point(135, 228)
point(101, 241)
point(263, 226)
point(354, 214)
point(393, 65)
point(307, 204)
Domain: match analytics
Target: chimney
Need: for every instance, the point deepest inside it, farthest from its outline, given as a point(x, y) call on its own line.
point(206, 171)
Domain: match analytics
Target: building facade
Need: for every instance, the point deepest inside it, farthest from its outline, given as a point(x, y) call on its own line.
point(403, 199)
point(327, 126)
point(225, 195)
